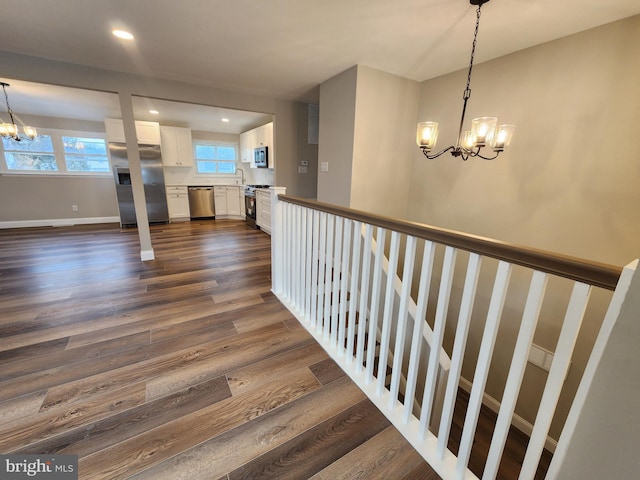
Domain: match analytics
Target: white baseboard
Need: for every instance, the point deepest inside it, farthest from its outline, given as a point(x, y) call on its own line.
point(517, 421)
point(146, 255)
point(58, 222)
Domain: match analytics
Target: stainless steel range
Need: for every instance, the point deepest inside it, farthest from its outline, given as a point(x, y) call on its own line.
point(250, 204)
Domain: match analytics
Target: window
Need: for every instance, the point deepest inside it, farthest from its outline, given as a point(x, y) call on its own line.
point(30, 155)
point(215, 157)
point(85, 154)
point(57, 152)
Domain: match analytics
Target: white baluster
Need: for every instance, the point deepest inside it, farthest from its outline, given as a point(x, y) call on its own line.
point(375, 304)
point(416, 337)
point(388, 310)
point(337, 274)
point(328, 277)
point(314, 269)
point(364, 296)
point(403, 312)
point(344, 284)
point(308, 282)
point(444, 294)
point(355, 280)
point(516, 373)
point(459, 346)
point(557, 374)
point(483, 363)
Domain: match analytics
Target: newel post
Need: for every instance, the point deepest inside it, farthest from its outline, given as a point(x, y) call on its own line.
point(277, 240)
point(601, 435)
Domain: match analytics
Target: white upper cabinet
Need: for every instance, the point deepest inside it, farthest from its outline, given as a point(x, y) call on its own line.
point(148, 133)
point(177, 147)
point(247, 142)
point(258, 137)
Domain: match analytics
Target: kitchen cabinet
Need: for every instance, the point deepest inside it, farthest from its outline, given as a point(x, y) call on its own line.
point(220, 201)
point(263, 209)
point(177, 147)
point(178, 203)
point(247, 142)
point(227, 199)
point(147, 133)
point(258, 137)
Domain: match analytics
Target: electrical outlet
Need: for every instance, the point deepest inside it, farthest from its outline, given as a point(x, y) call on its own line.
point(74, 208)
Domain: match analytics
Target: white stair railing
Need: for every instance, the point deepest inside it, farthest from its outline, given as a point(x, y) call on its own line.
point(333, 265)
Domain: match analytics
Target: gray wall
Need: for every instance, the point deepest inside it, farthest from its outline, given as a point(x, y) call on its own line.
point(337, 121)
point(568, 184)
point(51, 197)
point(610, 416)
point(386, 109)
point(367, 118)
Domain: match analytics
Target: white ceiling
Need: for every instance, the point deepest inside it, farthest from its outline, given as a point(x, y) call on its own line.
point(286, 48)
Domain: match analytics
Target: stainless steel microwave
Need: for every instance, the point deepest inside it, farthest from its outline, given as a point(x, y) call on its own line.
point(261, 157)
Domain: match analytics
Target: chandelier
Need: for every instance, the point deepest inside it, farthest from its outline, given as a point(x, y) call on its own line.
point(484, 130)
point(10, 130)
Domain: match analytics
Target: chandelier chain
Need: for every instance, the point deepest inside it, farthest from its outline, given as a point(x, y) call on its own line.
point(473, 50)
point(6, 99)
point(467, 92)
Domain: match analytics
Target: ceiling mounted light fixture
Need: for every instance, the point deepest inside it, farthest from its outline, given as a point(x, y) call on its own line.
point(484, 131)
point(10, 130)
point(123, 34)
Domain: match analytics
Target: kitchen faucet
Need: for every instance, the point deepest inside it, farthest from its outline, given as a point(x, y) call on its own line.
point(241, 175)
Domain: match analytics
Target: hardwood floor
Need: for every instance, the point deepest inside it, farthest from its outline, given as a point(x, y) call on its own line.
point(182, 367)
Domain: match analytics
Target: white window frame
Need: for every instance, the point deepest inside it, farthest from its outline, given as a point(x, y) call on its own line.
point(59, 153)
point(215, 143)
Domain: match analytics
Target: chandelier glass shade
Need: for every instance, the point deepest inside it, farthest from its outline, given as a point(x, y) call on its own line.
point(484, 132)
point(10, 129)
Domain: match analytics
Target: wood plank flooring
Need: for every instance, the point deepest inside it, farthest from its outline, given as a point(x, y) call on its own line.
point(182, 367)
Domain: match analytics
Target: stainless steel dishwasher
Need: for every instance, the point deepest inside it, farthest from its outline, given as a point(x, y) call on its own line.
point(201, 202)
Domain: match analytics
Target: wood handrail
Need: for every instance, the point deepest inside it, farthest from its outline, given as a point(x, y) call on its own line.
point(592, 273)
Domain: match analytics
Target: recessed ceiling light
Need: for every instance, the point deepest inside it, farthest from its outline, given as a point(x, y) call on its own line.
point(225, 120)
point(154, 112)
point(123, 34)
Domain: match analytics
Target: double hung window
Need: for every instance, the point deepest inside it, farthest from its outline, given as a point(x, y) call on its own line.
point(56, 152)
point(215, 158)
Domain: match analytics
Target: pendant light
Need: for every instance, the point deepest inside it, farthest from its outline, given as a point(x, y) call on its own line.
point(484, 130)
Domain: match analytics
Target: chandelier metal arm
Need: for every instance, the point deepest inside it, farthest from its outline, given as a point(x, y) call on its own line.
point(436, 155)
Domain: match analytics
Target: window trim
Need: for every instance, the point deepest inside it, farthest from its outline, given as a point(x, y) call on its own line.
point(216, 143)
point(59, 153)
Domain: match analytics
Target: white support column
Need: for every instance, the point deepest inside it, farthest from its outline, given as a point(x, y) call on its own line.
point(277, 239)
point(133, 154)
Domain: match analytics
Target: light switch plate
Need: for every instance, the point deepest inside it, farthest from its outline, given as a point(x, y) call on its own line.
point(324, 166)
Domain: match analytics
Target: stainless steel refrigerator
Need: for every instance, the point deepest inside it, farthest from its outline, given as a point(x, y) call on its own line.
point(152, 180)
